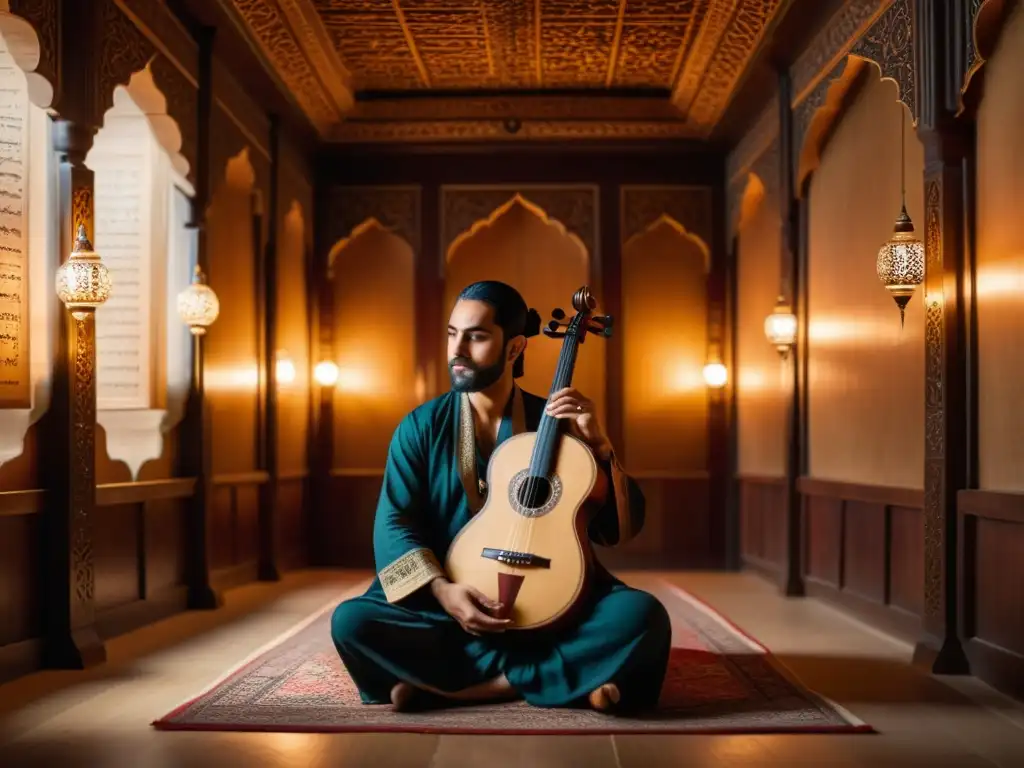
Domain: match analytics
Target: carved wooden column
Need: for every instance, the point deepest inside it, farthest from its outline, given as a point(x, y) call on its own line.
point(69, 458)
point(793, 582)
point(949, 149)
point(195, 449)
point(268, 566)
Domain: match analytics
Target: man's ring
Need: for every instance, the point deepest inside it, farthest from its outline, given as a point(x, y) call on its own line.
point(579, 408)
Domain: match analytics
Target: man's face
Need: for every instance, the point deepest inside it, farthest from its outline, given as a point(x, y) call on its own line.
point(477, 353)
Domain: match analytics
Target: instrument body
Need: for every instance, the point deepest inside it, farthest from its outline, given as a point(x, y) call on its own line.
point(528, 546)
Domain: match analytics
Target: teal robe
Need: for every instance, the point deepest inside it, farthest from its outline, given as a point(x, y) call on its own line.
point(397, 631)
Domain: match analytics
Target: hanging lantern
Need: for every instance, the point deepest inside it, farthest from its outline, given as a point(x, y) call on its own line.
point(780, 327)
point(198, 306)
point(83, 281)
point(900, 263)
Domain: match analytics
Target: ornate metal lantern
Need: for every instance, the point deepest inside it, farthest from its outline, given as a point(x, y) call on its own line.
point(83, 281)
point(198, 306)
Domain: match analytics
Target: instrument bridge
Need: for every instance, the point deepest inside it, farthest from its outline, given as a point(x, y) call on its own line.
point(511, 557)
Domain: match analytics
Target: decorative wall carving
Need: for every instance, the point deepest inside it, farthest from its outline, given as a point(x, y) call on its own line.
point(934, 404)
point(502, 130)
point(696, 48)
point(291, 37)
point(832, 44)
point(395, 208)
point(124, 50)
point(754, 142)
point(42, 15)
point(890, 44)
point(182, 105)
point(983, 20)
point(574, 207)
point(83, 436)
point(690, 207)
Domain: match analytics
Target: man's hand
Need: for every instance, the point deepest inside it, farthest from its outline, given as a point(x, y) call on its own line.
point(464, 603)
point(569, 403)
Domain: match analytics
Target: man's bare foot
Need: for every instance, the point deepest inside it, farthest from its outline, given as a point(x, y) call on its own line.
point(401, 696)
point(605, 698)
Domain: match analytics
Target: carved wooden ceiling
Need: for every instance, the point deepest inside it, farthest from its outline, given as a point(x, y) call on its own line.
point(690, 53)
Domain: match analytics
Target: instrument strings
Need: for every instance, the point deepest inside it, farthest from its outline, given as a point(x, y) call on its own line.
point(566, 361)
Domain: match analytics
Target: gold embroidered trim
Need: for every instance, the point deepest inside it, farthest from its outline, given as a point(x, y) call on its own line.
point(408, 573)
point(476, 488)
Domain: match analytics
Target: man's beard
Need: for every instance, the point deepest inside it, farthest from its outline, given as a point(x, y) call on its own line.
point(474, 379)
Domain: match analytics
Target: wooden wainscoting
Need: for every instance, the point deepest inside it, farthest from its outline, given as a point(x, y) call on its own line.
point(763, 524)
point(141, 552)
point(21, 629)
point(863, 549)
point(347, 518)
point(235, 528)
point(676, 533)
point(292, 505)
point(677, 525)
point(989, 579)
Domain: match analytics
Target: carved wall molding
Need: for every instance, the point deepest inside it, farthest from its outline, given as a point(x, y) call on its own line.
point(934, 403)
point(358, 132)
point(573, 206)
point(833, 43)
point(396, 208)
point(983, 23)
point(165, 33)
point(292, 37)
point(515, 107)
point(888, 44)
point(754, 143)
point(182, 105)
point(644, 206)
point(43, 16)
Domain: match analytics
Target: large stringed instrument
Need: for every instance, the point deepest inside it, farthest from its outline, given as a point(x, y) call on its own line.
point(528, 546)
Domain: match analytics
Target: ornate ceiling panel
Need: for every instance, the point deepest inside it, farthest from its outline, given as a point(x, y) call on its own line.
point(694, 51)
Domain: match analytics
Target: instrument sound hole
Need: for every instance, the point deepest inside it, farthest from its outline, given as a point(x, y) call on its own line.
point(534, 492)
point(534, 496)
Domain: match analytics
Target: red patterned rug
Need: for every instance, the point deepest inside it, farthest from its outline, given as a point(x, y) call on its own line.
point(719, 681)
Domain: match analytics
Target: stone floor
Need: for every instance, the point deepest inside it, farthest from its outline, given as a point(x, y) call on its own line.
point(101, 717)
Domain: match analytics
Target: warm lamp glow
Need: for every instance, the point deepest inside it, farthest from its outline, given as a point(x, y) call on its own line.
point(715, 375)
point(284, 368)
point(83, 282)
point(326, 373)
point(900, 263)
point(780, 327)
point(198, 306)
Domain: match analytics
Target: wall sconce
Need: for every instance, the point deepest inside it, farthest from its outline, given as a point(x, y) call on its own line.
point(780, 328)
point(83, 281)
point(326, 373)
point(198, 306)
point(284, 368)
point(715, 375)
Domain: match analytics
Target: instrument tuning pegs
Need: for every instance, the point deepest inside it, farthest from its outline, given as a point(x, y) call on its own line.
point(554, 325)
point(552, 333)
point(558, 314)
point(606, 320)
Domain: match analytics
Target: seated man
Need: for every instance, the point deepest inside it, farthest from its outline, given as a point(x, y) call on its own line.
point(414, 638)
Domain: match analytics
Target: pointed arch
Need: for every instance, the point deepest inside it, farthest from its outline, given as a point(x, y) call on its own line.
point(665, 220)
point(24, 46)
point(147, 96)
point(367, 225)
point(504, 208)
point(751, 198)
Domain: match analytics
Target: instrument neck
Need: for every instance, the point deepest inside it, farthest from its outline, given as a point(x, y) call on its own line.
point(548, 432)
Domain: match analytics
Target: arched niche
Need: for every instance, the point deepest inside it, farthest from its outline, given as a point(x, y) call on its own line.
point(233, 376)
point(889, 47)
point(520, 244)
point(761, 385)
point(28, 249)
point(291, 295)
point(665, 345)
point(986, 28)
point(142, 205)
point(374, 333)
